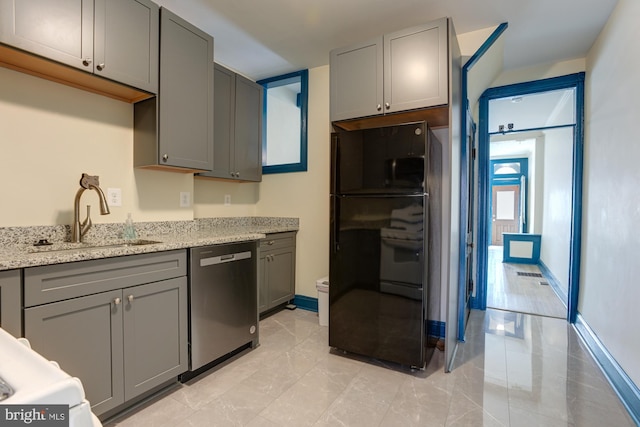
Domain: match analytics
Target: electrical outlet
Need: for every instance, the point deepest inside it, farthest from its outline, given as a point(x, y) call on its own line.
point(114, 196)
point(185, 199)
point(227, 199)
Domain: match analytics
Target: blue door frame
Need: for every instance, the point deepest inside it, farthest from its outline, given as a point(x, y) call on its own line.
point(576, 81)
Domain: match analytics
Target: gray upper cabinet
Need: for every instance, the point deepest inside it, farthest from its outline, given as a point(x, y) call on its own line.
point(61, 30)
point(126, 42)
point(237, 127)
point(175, 130)
point(11, 302)
point(116, 39)
point(400, 71)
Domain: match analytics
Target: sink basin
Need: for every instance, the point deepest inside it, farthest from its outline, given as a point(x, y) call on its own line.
point(68, 246)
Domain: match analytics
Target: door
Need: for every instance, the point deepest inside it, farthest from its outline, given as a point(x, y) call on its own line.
point(505, 211)
point(223, 113)
point(378, 298)
point(155, 334)
point(84, 335)
point(416, 67)
point(248, 130)
point(61, 30)
point(186, 95)
point(356, 80)
point(126, 42)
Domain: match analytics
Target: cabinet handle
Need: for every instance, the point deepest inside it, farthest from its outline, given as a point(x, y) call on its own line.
point(379, 107)
point(117, 301)
point(237, 174)
point(387, 105)
point(271, 242)
point(100, 66)
point(86, 62)
point(165, 157)
point(130, 299)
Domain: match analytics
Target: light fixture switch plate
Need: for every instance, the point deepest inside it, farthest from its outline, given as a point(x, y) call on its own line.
point(185, 199)
point(227, 199)
point(114, 196)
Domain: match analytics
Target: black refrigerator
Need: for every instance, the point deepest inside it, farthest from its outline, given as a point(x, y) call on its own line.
point(384, 265)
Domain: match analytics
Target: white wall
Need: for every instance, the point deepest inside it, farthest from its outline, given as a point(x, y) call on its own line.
point(609, 291)
point(556, 203)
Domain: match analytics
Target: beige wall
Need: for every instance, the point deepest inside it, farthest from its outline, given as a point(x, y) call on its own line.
point(50, 134)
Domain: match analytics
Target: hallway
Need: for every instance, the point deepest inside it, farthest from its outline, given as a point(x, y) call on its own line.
point(514, 370)
point(506, 290)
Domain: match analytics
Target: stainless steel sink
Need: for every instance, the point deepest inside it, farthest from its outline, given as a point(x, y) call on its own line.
point(68, 246)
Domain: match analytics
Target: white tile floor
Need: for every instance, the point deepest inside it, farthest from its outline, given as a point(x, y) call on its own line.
point(514, 370)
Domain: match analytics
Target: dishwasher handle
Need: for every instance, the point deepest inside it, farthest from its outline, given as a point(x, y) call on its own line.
point(222, 259)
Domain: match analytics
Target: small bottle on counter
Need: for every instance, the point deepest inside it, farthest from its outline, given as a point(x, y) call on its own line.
point(129, 230)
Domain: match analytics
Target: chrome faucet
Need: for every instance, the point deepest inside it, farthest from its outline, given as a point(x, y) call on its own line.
point(87, 182)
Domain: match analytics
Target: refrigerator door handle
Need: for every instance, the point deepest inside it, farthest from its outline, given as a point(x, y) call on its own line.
point(335, 225)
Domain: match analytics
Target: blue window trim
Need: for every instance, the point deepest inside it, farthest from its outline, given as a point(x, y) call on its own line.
point(303, 102)
point(575, 81)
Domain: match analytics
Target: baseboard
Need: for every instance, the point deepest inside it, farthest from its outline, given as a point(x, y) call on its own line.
point(435, 328)
point(623, 385)
point(553, 282)
point(306, 303)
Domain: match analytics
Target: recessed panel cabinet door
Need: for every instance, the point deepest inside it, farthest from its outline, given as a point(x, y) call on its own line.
point(415, 67)
point(248, 130)
point(155, 334)
point(356, 80)
point(61, 30)
point(186, 94)
point(84, 335)
point(126, 42)
point(223, 121)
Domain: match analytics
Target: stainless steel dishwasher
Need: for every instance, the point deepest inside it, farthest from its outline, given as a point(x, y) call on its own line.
point(223, 302)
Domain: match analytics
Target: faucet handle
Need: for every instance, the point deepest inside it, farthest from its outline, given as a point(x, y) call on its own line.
point(87, 181)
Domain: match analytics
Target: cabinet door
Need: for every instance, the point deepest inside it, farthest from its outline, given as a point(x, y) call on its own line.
point(248, 130)
point(155, 334)
point(415, 67)
point(280, 268)
point(84, 335)
point(61, 30)
point(356, 80)
point(11, 302)
point(185, 95)
point(126, 42)
point(223, 112)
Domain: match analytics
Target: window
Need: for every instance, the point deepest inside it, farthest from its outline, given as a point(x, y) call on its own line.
point(284, 134)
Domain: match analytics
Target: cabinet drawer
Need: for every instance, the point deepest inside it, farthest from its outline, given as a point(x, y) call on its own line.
point(63, 281)
point(278, 240)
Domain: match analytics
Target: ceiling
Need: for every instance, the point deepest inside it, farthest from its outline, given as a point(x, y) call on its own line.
point(267, 38)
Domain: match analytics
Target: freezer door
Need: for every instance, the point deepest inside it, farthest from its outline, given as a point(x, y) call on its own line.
point(388, 160)
point(377, 292)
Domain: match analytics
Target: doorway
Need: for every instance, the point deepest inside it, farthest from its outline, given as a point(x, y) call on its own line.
point(508, 97)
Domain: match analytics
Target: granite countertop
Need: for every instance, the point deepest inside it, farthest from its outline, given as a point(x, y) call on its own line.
point(104, 240)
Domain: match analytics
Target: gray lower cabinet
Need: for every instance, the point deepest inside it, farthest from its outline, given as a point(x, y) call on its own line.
point(399, 71)
point(174, 130)
point(11, 302)
point(237, 127)
point(276, 270)
point(116, 39)
point(121, 342)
